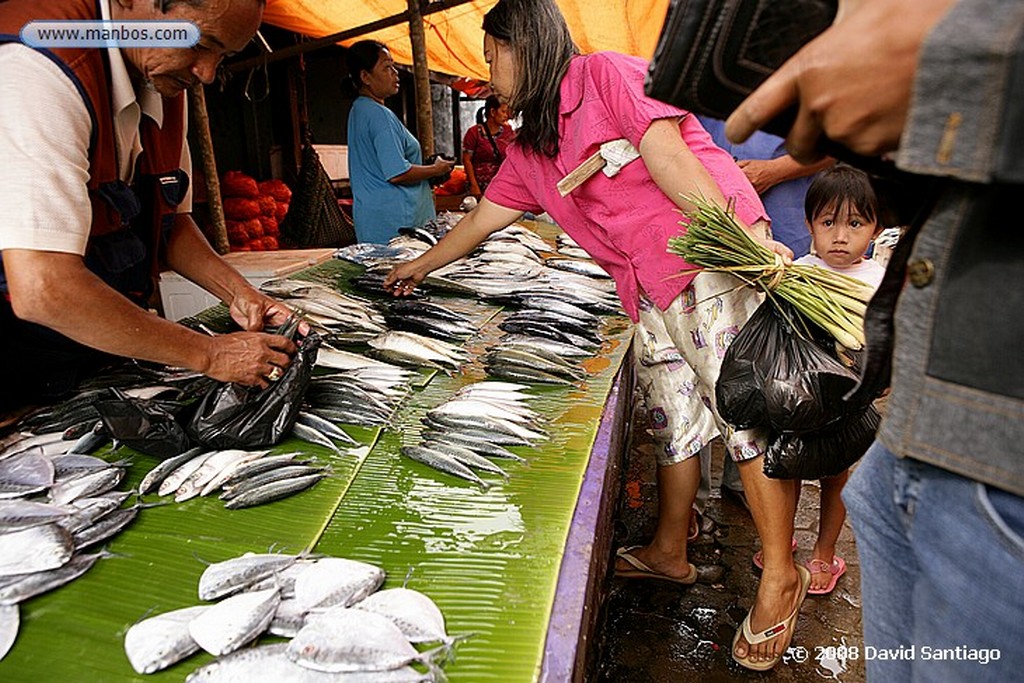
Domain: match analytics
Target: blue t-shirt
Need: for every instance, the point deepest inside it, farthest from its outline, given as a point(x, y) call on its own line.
point(379, 148)
point(783, 202)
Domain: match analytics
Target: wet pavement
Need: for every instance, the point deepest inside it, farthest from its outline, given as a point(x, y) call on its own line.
point(659, 632)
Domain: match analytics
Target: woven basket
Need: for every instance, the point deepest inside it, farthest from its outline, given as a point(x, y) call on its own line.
point(314, 218)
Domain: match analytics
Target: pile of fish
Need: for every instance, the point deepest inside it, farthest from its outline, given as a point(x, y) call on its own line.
point(429, 319)
point(567, 246)
point(338, 622)
point(467, 432)
point(54, 506)
point(242, 478)
point(342, 318)
point(409, 348)
point(365, 395)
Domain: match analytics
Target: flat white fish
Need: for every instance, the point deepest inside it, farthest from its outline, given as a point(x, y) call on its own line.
point(160, 641)
point(414, 613)
point(24, 474)
point(352, 640)
point(29, 585)
point(35, 549)
point(270, 663)
point(10, 622)
point(89, 484)
point(234, 621)
point(21, 514)
point(332, 581)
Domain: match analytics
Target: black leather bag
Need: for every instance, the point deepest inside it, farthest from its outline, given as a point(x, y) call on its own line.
point(713, 53)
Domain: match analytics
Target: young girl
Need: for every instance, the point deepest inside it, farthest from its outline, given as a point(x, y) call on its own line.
point(842, 213)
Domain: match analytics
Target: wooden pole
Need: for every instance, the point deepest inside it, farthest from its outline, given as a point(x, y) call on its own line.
point(201, 124)
point(421, 77)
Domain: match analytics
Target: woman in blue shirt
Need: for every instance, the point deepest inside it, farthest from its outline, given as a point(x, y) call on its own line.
point(389, 181)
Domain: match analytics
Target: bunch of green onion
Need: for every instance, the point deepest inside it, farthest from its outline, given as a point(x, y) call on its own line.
point(715, 241)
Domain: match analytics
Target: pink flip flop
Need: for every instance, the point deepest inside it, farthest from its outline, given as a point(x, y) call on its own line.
point(759, 556)
point(836, 569)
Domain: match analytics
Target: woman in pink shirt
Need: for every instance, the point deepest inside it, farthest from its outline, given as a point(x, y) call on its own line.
point(571, 104)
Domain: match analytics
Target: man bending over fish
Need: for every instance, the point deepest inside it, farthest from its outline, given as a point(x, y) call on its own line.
point(94, 188)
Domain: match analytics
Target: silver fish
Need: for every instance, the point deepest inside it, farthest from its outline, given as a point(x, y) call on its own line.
point(213, 466)
point(225, 577)
point(104, 528)
point(277, 474)
point(444, 463)
point(313, 435)
point(270, 663)
point(325, 427)
point(414, 613)
point(34, 549)
point(274, 490)
point(352, 640)
point(10, 623)
point(25, 473)
point(336, 581)
point(478, 444)
point(21, 514)
point(156, 475)
point(185, 470)
point(160, 641)
point(30, 585)
point(86, 485)
point(464, 455)
point(234, 621)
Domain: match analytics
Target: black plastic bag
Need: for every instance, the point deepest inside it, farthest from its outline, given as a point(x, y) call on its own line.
point(235, 416)
point(775, 376)
point(146, 426)
point(823, 453)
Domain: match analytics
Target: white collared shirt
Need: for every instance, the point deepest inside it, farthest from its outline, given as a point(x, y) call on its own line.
point(44, 148)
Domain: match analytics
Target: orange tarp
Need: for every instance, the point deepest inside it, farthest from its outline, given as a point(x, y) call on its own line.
point(454, 37)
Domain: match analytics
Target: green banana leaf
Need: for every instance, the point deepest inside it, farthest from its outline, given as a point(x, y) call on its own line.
point(489, 559)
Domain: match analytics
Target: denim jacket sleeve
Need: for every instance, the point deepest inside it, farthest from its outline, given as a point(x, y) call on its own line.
point(966, 117)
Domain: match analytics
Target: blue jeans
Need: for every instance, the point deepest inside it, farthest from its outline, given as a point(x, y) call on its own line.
point(942, 572)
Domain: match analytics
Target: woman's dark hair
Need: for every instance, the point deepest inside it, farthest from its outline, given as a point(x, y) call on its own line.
point(542, 47)
point(360, 57)
point(838, 185)
point(490, 104)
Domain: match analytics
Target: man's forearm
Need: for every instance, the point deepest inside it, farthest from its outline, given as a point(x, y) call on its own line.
point(190, 255)
point(56, 290)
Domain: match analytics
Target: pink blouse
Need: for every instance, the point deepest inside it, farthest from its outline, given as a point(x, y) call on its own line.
point(623, 222)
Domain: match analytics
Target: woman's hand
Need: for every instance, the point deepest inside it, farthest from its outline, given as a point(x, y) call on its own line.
point(403, 278)
point(442, 166)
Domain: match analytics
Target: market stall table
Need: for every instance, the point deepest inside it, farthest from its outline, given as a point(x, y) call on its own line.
point(518, 568)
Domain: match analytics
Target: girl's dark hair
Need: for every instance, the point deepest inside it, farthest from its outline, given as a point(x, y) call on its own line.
point(360, 57)
point(542, 48)
point(837, 185)
point(490, 104)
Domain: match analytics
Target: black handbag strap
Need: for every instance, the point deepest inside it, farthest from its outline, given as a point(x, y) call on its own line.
point(494, 145)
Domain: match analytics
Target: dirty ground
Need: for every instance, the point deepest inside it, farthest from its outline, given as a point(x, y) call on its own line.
point(659, 632)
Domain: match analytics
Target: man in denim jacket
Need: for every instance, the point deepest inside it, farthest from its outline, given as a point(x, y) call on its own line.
point(937, 504)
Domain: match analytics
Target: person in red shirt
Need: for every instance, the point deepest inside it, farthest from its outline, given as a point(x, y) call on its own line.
point(485, 144)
